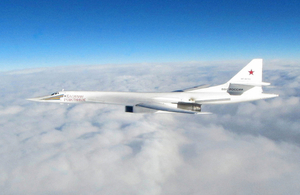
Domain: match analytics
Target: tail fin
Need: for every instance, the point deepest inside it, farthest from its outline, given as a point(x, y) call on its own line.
point(246, 85)
point(251, 73)
point(250, 77)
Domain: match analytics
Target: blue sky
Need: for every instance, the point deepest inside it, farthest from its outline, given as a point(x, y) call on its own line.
point(58, 33)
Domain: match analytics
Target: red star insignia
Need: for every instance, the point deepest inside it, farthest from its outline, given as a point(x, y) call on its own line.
point(251, 72)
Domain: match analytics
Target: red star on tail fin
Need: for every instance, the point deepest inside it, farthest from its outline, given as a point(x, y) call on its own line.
point(251, 72)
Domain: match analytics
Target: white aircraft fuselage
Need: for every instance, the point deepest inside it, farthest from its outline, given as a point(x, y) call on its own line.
point(244, 86)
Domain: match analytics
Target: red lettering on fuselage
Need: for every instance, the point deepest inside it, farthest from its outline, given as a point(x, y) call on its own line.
point(74, 98)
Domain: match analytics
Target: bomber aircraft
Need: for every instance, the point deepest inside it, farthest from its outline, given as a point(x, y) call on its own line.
point(245, 86)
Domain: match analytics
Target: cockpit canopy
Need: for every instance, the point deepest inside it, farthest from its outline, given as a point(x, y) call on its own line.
point(54, 93)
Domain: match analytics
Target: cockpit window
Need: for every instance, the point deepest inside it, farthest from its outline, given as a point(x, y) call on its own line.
point(55, 93)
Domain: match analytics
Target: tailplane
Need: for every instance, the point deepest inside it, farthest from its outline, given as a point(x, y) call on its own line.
point(245, 86)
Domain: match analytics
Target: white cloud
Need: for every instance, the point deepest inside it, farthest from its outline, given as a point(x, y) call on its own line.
point(10, 110)
point(247, 148)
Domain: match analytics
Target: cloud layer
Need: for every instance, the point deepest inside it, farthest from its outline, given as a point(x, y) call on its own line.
point(246, 148)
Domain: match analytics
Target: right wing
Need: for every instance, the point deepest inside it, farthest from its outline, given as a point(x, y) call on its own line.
point(165, 108)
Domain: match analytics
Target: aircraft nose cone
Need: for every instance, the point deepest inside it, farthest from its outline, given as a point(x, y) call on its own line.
point(37, 99)
point(34, 99)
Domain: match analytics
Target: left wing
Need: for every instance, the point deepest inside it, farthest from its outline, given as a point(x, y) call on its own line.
point(192, 88)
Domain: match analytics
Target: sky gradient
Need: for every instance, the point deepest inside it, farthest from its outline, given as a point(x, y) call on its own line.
point(59, 33)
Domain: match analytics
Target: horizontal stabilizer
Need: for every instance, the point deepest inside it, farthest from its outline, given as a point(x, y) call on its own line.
point(252, 84)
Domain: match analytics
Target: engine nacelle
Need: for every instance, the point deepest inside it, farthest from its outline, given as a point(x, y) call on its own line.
point(189, 106)
point(137, 109)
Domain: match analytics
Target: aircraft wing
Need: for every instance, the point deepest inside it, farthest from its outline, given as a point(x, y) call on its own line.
point(153, 107)
point(192, 88)
point(163, 107)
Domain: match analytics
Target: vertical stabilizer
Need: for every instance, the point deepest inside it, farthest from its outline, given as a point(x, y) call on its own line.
point(249, 79)
point(251, 73)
